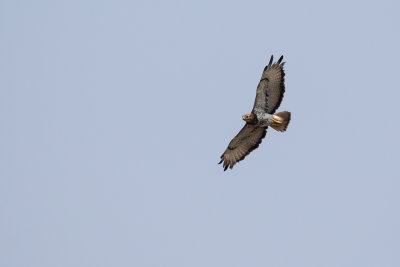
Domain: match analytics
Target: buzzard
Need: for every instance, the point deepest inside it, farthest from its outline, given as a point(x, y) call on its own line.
point(269, 96)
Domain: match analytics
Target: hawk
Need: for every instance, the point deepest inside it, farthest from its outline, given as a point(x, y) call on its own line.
point(269, 96)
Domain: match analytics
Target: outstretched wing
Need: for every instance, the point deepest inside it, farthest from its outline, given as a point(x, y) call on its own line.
point(248, 139)
point(271, 88)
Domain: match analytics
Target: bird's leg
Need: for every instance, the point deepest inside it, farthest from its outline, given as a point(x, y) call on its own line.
point(277, 119)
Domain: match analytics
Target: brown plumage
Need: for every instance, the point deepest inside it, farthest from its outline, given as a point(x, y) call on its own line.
point(271, 87)
point(270, 91)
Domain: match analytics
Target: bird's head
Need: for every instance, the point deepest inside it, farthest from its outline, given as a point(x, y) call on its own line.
point(248, 117)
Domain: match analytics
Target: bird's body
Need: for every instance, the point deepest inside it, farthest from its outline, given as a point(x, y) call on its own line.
point(270, 91)
point(260, 118)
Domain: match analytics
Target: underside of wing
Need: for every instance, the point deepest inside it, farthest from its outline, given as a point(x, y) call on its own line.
point(271, 88)
point(248, 139)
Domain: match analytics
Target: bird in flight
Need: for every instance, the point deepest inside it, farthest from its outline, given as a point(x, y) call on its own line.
point(270, 91)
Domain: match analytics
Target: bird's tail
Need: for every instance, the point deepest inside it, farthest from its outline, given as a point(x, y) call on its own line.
point(281, 121)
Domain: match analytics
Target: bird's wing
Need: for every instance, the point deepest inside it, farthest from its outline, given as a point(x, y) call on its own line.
point(248, 139)
point(271, 88)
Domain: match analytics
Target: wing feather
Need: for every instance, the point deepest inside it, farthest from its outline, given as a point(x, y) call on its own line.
point(248, 139)
point(271, 87)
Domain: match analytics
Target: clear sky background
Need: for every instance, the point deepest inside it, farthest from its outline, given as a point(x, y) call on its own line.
point(114, 115)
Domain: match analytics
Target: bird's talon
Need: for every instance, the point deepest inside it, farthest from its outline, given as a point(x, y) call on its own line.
point(277, 121)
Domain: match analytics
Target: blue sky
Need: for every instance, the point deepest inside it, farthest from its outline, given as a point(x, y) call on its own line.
point(114, 115)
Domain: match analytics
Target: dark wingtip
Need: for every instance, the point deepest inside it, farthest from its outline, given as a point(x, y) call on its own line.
point(280, 60)
point(221, 161)
point(270, 61)
point(226, 167)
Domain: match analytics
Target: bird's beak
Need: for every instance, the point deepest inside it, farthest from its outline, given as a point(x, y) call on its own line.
point(243, 117)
